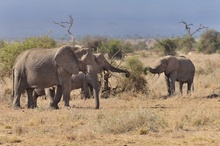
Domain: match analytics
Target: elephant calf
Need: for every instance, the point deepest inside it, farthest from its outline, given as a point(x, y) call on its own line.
point(79, 81)
point(180, 69)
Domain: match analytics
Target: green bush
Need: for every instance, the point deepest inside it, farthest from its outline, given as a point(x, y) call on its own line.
point(115, 48)
point(166, 47)
point(2, 44)
point(10, 51)
point(185, 44)
point(136, 82)
point(209, 42)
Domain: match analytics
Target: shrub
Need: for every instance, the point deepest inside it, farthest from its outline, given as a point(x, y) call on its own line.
point(136, 82)
point(167, 47)
point(2, 44)
point(209, 42)
point(10, 51)
point(185, 44)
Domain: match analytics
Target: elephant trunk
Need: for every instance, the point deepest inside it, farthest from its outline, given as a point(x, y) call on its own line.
point(114, 69)
point(96, 88)
point(157, 70)
point(95, 84)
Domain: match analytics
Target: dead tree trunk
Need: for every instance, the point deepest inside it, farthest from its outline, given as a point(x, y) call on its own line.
point(69, 26)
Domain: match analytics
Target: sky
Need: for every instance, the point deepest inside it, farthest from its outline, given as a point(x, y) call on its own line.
point(114, 18)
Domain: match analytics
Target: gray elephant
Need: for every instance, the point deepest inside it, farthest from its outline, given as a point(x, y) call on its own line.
point(79, 81)
point(180, 69)
point(43, 68)
point(92, 70)
point(82, 80)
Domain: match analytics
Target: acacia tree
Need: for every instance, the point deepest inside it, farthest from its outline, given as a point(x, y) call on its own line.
point(68, 25)
point(187, 42)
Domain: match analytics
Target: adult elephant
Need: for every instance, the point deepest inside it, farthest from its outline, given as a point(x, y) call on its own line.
point(179, 69)
point(43, 68)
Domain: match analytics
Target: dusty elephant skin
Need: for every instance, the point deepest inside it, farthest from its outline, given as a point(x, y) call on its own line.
point(43, 68)
point(179, 69)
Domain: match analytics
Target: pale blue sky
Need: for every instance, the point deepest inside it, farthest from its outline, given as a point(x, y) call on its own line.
point(23, 18)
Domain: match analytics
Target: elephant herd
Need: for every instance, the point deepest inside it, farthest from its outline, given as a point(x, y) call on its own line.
point(67, 68)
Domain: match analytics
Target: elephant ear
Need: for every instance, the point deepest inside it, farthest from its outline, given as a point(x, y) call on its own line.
point(172, 64)
point(66, 59)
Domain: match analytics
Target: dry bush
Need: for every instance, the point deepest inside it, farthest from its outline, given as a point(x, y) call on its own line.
point(195, 118)
point(136, 82)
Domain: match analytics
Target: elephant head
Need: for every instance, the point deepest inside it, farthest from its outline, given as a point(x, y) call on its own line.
point(105, 65)
point(92, 68)
point(166, 64)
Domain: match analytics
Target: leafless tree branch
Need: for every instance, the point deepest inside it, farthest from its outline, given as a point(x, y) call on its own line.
point(187, 26)
point(200, 27)
point(69, 26)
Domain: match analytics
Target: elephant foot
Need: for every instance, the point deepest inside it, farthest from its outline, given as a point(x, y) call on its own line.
point(31, 106)
point(54, 106)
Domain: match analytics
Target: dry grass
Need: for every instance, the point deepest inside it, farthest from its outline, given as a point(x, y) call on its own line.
point(123, 119)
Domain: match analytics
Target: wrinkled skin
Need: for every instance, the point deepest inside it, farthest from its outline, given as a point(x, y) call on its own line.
point(43, 68)
point(179, 69)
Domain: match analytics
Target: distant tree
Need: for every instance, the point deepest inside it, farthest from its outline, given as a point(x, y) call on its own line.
point(115, 48)
point(167, 46)
point(209, 42)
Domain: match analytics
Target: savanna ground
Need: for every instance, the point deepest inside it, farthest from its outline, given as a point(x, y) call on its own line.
point(124, 119)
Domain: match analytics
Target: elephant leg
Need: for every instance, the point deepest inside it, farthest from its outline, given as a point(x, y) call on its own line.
point(18, 88)
point(189, 84)
point(50, 92)
point(85, 90)
point(35, 96)
point(172, 87)
point(181, 87)
point(16, 100)
point(54, 102)
point(172, 83)
point(168, 85)
point(31, 103)
point(66, 97)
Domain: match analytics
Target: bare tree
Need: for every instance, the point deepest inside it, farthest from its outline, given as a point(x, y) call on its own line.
point(68, 25)
point(188, 29)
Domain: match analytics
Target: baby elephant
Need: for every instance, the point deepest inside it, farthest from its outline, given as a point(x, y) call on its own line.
point(180, 69)
point(80, 81)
